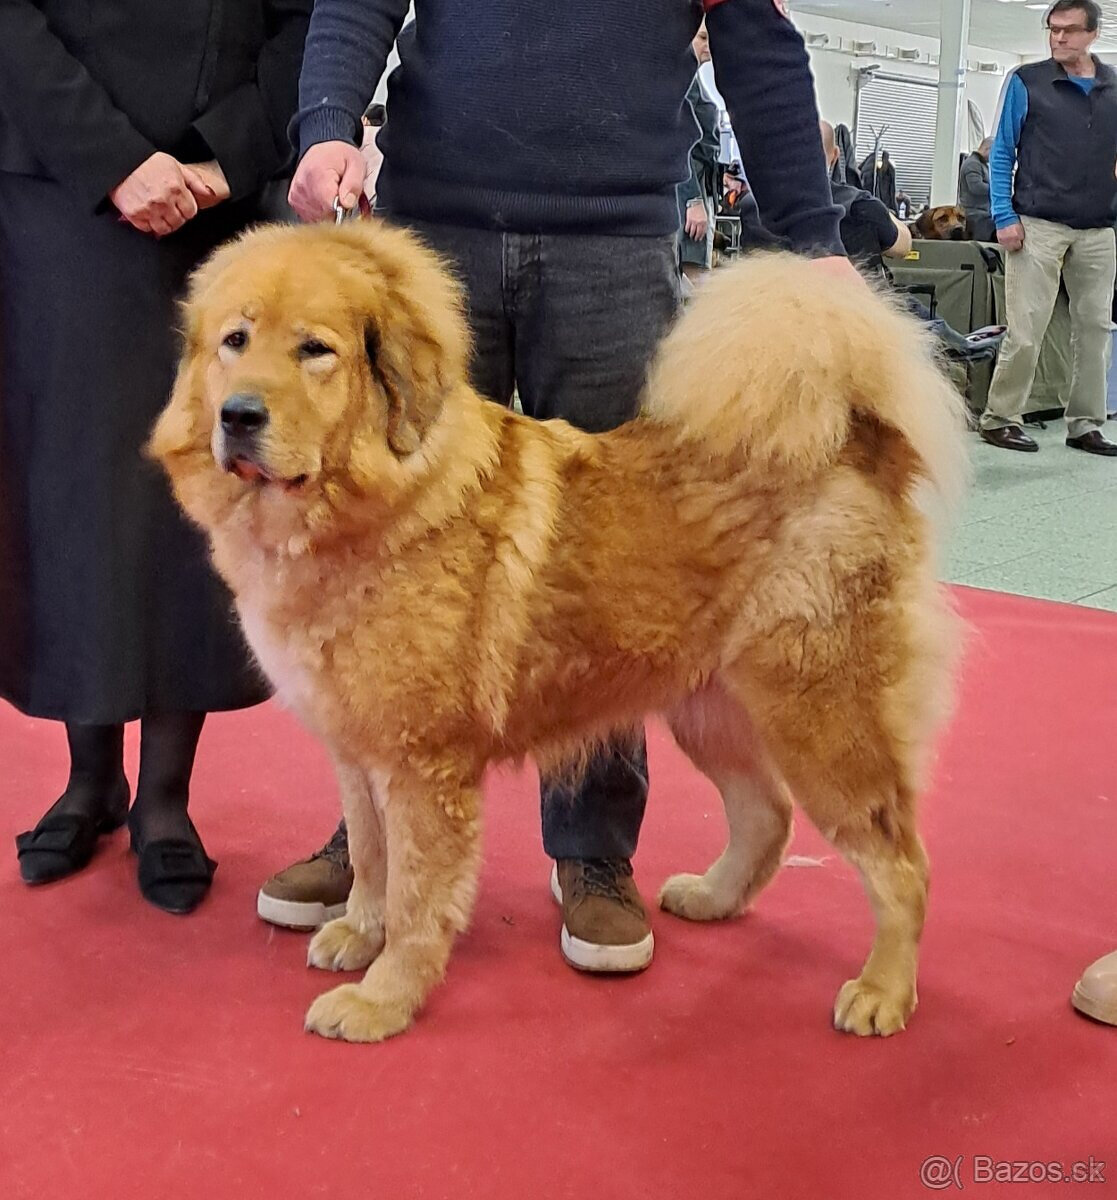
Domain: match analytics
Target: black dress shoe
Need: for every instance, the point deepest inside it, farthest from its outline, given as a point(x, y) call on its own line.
point(1094, 442)
point(174, 873)
point(1010, 437)
point(63, 843)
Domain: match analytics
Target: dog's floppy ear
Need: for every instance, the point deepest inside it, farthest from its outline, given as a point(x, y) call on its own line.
point(415, 336)
point(923, 222)
point(414, 390)
point(181, 428)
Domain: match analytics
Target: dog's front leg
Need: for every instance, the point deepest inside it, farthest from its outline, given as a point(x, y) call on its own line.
point(352, 942)
point(432, 823)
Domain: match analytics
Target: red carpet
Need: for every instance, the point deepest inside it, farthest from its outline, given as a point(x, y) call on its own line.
point(148, 1056)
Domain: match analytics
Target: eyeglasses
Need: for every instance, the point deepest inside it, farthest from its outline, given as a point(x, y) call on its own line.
point(1067, 30)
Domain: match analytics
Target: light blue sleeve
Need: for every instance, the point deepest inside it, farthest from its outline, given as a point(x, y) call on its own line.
point(1011, 112)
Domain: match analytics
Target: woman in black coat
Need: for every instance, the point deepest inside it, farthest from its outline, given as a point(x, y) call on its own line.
point(135, 136)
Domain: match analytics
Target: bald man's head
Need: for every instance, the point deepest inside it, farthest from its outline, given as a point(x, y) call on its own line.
point(829, 145)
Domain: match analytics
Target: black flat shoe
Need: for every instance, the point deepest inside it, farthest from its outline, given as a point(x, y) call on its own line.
point(174, 873)
point(63, 843)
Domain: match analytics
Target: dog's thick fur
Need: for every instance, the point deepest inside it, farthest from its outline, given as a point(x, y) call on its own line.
point(434, 583)
point(945, 223)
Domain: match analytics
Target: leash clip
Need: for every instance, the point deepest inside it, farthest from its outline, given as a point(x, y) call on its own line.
point(361, 209)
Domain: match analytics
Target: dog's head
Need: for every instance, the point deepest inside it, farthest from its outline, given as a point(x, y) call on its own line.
point(946, 223)
point(317, 361)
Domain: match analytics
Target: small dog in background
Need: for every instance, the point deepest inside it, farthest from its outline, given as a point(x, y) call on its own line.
point(945, 223)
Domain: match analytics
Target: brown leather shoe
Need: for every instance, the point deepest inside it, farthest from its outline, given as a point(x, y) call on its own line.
point(1096, 993)
point(1009, 437)
point(1094, 442)
point(312, 892)
point(605, 925)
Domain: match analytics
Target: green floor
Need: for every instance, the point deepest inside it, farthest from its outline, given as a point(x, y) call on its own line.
point(1040, 524)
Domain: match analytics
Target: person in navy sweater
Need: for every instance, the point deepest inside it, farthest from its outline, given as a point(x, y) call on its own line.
point(538, 146)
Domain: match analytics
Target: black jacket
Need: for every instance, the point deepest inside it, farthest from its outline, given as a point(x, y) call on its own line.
point(867, 228)
point(91, 88)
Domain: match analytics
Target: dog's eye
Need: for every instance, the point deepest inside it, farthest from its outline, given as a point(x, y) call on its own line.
point(314, 348)
point(237, 340)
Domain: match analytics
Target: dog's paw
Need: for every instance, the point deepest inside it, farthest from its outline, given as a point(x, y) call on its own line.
point(338, 946)
point(869, 1010)
point(350, 1015)
point(691, 897)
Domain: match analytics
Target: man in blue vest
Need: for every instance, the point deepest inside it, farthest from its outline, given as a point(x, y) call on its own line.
point(1057, 130)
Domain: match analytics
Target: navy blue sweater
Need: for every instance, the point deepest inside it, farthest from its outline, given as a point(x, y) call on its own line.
point(567, 115)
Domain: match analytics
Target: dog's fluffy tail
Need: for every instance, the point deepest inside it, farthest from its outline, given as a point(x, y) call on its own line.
point(782, 365)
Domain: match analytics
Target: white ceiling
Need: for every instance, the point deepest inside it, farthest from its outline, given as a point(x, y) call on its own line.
point(1008, 25)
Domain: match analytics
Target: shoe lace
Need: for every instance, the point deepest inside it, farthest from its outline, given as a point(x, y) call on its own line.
point(604, 877)
point(336, 850)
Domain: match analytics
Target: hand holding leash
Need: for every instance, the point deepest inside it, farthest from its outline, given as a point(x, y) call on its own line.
point(329, 171)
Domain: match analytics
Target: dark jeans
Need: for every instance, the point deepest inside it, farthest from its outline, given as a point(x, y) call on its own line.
point(570, 322)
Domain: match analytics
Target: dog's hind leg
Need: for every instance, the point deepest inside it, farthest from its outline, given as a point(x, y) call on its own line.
point(352, 942)
point(432, 824)
point(716, 734)
point(846, 713)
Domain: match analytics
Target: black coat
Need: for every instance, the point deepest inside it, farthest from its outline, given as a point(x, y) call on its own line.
point(109, 609)
point(91, 88)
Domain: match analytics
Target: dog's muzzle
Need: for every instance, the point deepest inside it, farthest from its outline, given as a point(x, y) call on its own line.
point(244, 416)
point(240, 450)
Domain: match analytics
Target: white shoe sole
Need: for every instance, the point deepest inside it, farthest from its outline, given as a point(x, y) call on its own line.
point(296, 914)
point(594, 957)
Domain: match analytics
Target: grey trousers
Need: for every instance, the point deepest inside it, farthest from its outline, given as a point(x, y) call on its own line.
point(1086, 261)
point(570, 322)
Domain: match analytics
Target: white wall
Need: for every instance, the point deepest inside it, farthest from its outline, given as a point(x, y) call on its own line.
point(381, 92)
point(835, 86)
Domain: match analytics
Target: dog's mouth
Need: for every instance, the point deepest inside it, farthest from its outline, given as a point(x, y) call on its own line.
point(250, 471)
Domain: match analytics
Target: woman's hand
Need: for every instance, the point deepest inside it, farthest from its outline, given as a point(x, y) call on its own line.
point(207, 183)
point(156, 198)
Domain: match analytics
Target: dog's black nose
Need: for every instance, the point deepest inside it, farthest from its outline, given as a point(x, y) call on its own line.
point(243, 414)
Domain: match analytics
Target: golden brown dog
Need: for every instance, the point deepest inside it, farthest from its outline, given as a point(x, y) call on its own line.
point(946, 223)
point(435, 583)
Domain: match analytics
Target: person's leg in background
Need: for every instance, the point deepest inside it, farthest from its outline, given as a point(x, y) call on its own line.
point(1088, 272)
point(1031, 287)
point(589, 312)
point(314, 890)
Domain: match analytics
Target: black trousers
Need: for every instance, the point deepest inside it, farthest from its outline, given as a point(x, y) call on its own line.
point(570, 322)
